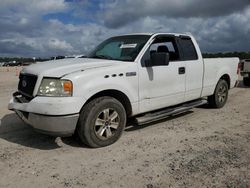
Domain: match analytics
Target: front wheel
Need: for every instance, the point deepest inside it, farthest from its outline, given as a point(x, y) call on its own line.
point(219, 98)
point(101, 122)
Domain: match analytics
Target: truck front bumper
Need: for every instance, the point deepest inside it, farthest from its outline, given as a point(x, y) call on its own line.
point(48, 115)
point(50, 125)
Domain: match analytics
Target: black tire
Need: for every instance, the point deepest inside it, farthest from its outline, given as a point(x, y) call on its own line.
point(246, 81)
point(98, 119)
point(219, 98)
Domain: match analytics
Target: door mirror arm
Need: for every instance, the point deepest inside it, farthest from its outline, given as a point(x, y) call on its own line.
point(148, 63)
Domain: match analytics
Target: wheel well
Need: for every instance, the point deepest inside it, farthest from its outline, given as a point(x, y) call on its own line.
point(118, 95)
point(226, 77)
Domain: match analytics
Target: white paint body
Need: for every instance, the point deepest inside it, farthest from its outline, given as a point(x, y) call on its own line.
point(152, 88)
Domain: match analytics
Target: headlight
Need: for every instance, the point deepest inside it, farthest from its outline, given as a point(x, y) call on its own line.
point(55, 88)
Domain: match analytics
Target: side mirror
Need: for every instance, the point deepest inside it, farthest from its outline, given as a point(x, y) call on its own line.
point(159, 59)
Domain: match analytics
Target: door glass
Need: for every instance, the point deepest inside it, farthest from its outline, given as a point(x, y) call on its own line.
point(188, 49)
point(165, 44)
point(169, 45)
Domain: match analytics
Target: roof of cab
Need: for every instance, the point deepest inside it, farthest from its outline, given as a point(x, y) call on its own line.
point(151, 34)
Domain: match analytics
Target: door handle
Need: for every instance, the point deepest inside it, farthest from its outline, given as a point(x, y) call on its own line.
point(182, 70)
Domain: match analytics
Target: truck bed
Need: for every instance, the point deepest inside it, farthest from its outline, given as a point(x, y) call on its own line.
point(213, 72)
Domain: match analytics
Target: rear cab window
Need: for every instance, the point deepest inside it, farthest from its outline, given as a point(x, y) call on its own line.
point(187, 49)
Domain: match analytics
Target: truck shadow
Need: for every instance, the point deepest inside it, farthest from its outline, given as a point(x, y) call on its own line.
point(13, 130)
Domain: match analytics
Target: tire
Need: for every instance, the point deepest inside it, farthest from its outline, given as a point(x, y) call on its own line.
point(246, 81)
point(219, 98)
point(101, 122)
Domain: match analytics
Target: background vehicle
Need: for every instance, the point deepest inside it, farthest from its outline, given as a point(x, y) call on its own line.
point(245, 71)
point(144, 76)
point(12, 64)
point(76, 56)
point(68, 57)
point(57, 57)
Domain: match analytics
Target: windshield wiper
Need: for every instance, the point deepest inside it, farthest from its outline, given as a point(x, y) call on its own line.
point(102, 57)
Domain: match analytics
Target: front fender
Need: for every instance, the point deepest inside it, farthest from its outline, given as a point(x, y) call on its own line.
point(95, 86)
point(130, 90)
point(90, 82)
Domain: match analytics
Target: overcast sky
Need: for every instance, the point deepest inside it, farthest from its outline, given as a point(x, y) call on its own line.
point(43, 28)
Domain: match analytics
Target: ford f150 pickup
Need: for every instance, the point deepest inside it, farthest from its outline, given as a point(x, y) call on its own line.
point(144, 76)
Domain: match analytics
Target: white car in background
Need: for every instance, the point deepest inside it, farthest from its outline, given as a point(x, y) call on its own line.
point(68, 57)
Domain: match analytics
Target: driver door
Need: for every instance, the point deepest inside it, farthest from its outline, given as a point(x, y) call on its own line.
point(162, 86)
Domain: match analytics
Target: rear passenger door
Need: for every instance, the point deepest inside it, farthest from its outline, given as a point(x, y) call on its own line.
point(194, 68)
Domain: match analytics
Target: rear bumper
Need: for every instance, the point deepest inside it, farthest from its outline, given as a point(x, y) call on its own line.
point(50, 125)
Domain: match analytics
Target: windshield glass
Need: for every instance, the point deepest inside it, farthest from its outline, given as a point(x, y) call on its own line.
point(123, 48)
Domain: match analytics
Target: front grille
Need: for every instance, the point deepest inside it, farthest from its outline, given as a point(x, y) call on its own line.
point(27, 84)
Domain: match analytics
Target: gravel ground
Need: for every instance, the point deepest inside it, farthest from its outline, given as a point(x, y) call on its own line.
point(201, 148)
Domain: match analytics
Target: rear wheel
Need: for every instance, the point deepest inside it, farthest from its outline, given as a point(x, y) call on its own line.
point(101, 122)
point(219, 98)
point(246, 81)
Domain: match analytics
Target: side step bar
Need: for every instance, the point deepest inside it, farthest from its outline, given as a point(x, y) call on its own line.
point(159, 115)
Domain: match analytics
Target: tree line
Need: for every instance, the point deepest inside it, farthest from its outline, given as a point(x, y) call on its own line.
point(241, 55)
point(22, 59)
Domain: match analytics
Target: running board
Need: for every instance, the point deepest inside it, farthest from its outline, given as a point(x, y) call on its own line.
point(162, 114)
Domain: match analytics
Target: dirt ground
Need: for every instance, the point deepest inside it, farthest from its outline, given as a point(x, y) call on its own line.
point(201, 148)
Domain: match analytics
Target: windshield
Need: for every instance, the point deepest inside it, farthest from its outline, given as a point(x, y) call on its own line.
point(123, 48)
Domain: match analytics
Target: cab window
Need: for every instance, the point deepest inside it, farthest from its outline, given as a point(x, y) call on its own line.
point(163, 44)
point(188, 50)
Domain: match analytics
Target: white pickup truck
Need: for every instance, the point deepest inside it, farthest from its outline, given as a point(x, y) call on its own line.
point(144, 76)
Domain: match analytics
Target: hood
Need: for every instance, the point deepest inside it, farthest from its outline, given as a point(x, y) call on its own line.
point(62, 67)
